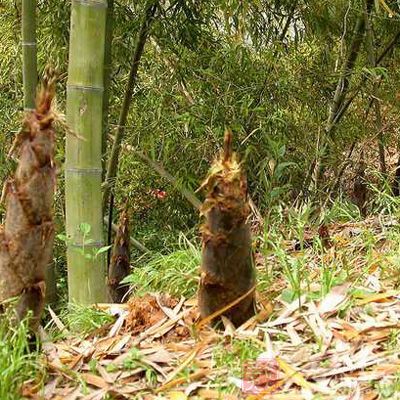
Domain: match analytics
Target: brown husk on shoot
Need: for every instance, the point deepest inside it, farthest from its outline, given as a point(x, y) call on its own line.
point(26, 238)
point(120, 261)
point(227, 270)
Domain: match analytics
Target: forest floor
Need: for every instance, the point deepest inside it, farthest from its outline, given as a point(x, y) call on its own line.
point(327, 328)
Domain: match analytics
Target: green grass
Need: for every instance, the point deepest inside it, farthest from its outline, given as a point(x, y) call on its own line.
point(83, 319)
point(389, 389)
point(234, 353)
point(18, 362)
point(175, 273)
point(231, 355)
point(342, 210)
point(312, 269)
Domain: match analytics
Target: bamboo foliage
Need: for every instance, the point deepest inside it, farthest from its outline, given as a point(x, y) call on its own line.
point(83, 169)
point(29, 52)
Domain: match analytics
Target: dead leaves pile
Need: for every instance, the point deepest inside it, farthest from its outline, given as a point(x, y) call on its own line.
point(343, 346)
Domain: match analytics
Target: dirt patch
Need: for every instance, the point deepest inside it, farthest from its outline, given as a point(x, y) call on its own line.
point(145, 311)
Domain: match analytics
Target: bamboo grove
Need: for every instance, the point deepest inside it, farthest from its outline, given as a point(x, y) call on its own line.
point(309, 90)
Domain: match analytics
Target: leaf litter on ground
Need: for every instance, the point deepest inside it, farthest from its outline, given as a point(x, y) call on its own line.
point(343, 345)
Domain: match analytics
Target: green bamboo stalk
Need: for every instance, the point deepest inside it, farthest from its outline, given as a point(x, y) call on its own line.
point(83, 166)
point(107, 73)
point(106, 103)
point(29, 53)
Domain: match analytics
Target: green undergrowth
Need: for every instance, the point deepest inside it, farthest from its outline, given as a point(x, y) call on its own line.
point(232, 355)
point(295, 263)
point(85, 319)
point(78, 319)
point(175, 273)
point(294, 259)
point(19, 359)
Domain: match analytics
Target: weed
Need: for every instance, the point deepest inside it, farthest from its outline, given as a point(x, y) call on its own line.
point(383, 201)
point(83, 319)
point(235, 353)
point(18, 361)
point(133, 361)
point(389, 389)
point(175, 273)
point(393, 340)
point(343, 211)
point(294, 270)
point(232, 356)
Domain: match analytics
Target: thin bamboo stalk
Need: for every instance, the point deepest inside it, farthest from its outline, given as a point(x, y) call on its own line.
point(83, 166)
point(348, 66)
point(381, 140)
point(137, 55)
point(338, 104)
point(29, 53)
point(378, 117)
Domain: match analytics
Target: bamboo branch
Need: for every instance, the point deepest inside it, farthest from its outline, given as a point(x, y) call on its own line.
point(135, 243)
point(171, 65)
point(137, 55)
point(189, 195)
point(348, 66)
point(261, 92)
